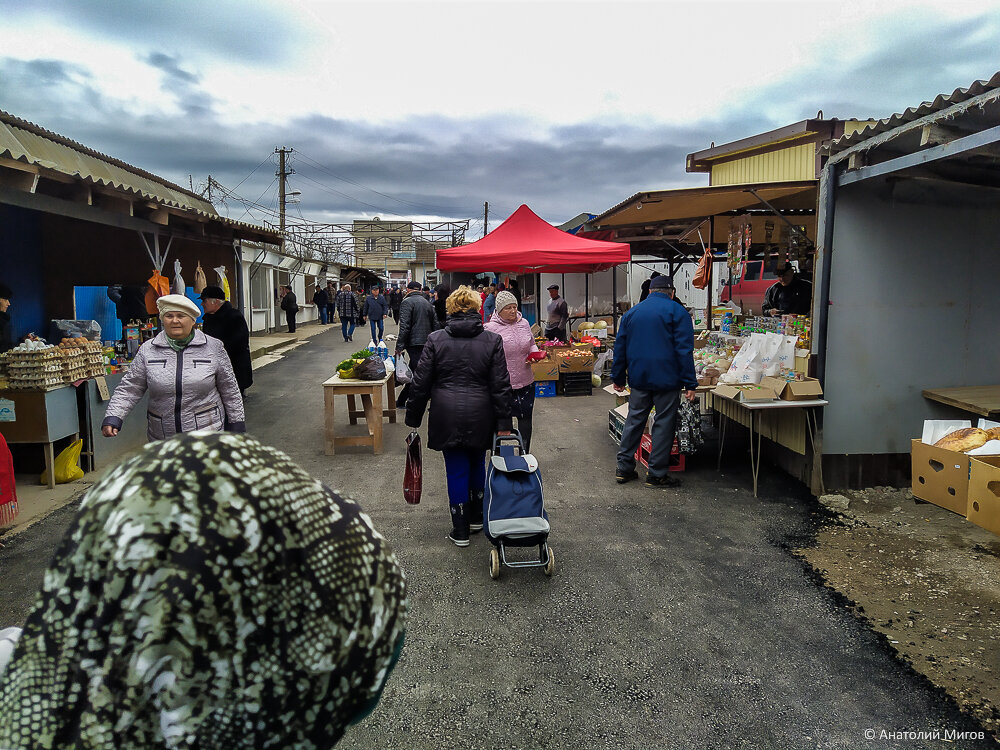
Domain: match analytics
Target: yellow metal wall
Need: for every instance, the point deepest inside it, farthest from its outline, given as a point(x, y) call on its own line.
point(794, 163)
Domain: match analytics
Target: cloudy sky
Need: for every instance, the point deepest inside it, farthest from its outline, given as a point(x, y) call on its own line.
point(426, 110)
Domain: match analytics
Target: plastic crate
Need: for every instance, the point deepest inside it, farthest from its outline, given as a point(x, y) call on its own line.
point(545, 389)
point(616, 423)
point(576, 384)
point(646, 445)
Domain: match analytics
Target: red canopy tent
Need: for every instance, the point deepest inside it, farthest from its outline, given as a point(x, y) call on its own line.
point(527, 244)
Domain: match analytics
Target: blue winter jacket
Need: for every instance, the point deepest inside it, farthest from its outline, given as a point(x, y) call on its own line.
point(375, 308)
point(654, 347)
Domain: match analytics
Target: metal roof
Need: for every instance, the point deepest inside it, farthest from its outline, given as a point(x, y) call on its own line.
point(939, 104)
point(689, 203)
point(33, 145)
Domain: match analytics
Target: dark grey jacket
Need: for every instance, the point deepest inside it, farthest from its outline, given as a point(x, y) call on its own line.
point(463, 373)
point(416, 320)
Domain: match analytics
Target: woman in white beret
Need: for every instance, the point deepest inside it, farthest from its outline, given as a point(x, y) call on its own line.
point(187, 375)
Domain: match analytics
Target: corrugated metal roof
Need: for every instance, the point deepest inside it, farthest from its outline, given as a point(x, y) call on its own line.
point(940, 103)
point(28, 143)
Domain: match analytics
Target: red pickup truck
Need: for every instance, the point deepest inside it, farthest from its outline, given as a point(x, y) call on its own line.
point(748, 291)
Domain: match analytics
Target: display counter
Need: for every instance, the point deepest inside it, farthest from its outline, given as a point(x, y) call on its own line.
point(98, 450)
point(40, 417)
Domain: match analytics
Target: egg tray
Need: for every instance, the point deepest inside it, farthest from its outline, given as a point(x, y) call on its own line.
point(32, 367)
point(29, 384)
point(31, 356)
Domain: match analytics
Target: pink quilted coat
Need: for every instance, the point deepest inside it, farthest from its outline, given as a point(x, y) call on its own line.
point(518, 343)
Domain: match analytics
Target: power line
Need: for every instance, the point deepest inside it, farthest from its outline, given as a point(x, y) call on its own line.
point(437, 209)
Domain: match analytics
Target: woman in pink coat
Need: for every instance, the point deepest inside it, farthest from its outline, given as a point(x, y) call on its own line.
point(518, 343)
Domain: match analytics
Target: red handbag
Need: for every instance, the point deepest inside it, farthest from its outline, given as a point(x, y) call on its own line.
point(413, 479)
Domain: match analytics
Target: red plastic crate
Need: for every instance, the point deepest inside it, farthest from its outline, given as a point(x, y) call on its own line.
point(646, 445)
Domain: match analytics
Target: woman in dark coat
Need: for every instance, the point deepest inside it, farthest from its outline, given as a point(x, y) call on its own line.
point(463, 372)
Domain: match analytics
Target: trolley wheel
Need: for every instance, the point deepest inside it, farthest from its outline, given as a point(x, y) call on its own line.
point(550, 566)
point(494, 564)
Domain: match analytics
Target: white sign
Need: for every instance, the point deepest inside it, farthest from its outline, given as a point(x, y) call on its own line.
point(7, 413)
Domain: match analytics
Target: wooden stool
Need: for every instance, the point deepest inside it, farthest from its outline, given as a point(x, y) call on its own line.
point(371, 401)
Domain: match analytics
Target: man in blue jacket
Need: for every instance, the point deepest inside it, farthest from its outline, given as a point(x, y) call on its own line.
point(375, 309)
point(654, 354)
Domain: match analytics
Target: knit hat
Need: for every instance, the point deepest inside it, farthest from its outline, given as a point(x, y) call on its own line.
point(413, 285)
point(504, 299)
point(177, 303)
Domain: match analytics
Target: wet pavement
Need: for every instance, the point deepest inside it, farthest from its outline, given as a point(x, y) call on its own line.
point(675, 618)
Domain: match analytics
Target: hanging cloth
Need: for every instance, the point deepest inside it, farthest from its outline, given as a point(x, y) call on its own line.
point(223, 281)
point(200, 282)
point(8, 489)
point(159, 286)
point(178, 287)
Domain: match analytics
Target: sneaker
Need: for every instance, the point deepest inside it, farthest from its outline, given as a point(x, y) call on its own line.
point(456, 539)
point(667, 481)
point(627, 476)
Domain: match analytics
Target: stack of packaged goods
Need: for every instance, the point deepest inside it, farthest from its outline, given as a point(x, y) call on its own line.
point(33, 366)
point(81, 358)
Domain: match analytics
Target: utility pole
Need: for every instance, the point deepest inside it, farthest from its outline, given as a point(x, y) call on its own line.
point(486, 218)
point(281, 174)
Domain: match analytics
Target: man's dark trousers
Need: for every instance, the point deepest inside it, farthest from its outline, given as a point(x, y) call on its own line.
point(640, 403)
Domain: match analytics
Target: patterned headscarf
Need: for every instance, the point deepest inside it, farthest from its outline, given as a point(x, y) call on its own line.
point(210, 594)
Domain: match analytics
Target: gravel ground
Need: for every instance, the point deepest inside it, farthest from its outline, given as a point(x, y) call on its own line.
point(675, 619)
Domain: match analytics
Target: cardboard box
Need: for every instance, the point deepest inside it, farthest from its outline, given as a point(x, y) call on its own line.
point(796, 390)
point(746, 393)
point(569, 363)
point(546, 369)
point(620, 398)
point(940, 476)
point(802, 361)
point(984, 493)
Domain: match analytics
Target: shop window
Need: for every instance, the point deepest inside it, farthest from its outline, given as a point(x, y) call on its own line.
point(396, 245)
point(370, 244)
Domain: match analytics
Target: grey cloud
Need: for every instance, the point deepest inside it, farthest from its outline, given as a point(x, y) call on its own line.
point(237, 30)
point(169, 65)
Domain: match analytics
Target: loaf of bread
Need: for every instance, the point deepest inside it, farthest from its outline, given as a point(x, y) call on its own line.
point(993, 433)
point(966, 439)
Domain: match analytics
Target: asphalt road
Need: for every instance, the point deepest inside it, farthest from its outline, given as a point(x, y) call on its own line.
point(675, 619)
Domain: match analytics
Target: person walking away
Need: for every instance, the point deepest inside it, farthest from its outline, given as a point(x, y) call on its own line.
point(207, 594)
point(348, 310)
point(395, 299)
point(557, 316)
point(6, 327)
point(463, 373)
point(515, 289)
point(331, 302)
point(291, 307)
point(518, 343)
point(490, 303)
point(321, 300)
point(789, 295)
point(417, 321)
point(654, 356)
point(225, 323)
point(441, 292)
point(644, 289)
point(188, 377)
point(375, 309)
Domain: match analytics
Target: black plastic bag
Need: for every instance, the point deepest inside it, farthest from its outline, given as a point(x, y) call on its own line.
point(372, 368)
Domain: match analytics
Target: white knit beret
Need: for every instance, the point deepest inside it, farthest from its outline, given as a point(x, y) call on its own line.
point(177, 303)
point(505, 298)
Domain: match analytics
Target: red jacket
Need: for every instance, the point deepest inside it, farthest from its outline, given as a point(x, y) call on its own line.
point(8, 492)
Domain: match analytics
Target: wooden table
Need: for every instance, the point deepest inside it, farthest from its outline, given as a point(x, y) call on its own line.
point(755, 406)
point(983, 400)
point(371, 400)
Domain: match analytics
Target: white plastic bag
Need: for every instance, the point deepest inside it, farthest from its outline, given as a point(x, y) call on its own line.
point(178, 286)
point(747, 367)
point(403, 373)
point(778, 353)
